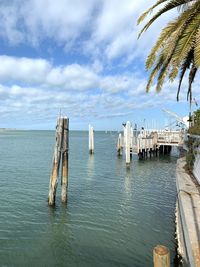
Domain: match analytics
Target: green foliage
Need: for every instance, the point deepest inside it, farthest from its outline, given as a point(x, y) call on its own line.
point(190, 160)
point(178, 46)
point(192, 145)
point(196, 128)
point(197, 117)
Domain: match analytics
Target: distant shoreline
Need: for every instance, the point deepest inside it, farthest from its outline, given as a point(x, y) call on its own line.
point(8, 129)
point(15, 129)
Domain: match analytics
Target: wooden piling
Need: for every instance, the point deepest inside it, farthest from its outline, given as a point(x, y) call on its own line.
point(161, 256)
point(128, 142)
point(65, 148)
point(56, 162)
point(91, 140)
point(119, 145)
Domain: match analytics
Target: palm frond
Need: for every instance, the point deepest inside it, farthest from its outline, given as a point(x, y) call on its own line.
point(185, 44)
point(178, 46)
point(172, 4)
point(191, 79)
point(162, 75)
point(154, 73)
point(197, 49)
point(143, 16)
point(186, 64)
point(163, 36)
point(174, 28)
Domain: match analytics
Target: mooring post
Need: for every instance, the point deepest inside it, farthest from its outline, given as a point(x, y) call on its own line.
point(131, 142)
point(119, 145)
point(65, 149)
point(161, 256)
point(91, 139)
point(128, 142)
point(56, 162)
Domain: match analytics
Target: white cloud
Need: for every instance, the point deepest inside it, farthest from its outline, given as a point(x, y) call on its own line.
point(73, 77)
point(42, 72)
point(23, 69)
point(102, 28)
point(63, 20)
point(102, 35)
point(9, 22)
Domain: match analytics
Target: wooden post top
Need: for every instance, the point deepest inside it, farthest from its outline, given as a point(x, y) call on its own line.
point(161, 250)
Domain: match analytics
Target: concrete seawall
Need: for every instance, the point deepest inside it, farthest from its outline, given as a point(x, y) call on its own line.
point(187, 216)
point(196, 168)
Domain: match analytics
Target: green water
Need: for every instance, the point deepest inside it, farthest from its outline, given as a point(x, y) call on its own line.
point(114, 216)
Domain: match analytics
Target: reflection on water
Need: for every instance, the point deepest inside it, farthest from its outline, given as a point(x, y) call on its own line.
point(127, 180)
point(114, 215)
point(90, 166)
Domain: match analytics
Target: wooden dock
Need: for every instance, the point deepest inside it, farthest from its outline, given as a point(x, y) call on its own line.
point(147, 143)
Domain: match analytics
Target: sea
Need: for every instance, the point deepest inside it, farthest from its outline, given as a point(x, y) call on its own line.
point(114, 215)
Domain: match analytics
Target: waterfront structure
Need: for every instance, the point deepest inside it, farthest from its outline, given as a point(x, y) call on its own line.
point(146, 143)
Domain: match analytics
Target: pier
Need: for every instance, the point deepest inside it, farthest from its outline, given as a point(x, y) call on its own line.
point(146, 143)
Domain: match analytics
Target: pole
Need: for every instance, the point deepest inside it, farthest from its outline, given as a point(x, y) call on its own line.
point(65, 149)
point(56, 162)
point(119, 145)
point(161, 256)
point(128, 141)
point(91, 139)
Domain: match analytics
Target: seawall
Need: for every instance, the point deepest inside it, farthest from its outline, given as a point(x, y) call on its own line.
point(188, 216)
point(196, 168)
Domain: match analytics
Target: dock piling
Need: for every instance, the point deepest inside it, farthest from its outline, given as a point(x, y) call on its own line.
point(56, 162)
point(91, 139)
point(119, 145)
point(128, 142)
point(161, 256)
point(65, 148)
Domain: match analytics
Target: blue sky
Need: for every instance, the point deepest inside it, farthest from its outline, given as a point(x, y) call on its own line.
point(82, 57)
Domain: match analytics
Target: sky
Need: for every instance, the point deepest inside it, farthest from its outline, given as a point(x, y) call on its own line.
point(81, 59)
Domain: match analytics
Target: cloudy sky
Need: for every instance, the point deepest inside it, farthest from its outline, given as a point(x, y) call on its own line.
point(82, 57)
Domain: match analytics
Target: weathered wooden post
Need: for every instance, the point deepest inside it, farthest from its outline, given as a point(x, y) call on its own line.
point(161, 256)
point(128, 142)
point(119, 145)
point(91, 140)
point(56, 162)
point(65, 148)
point(131, 142)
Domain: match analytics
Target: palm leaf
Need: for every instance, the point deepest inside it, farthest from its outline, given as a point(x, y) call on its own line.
point(174, 28)
point(172, 4)
point(154, 72)
point(185, 44)
point(197, 49)
point(164, 34)
point(143, 16)
point(184, 67)
point(191, 79)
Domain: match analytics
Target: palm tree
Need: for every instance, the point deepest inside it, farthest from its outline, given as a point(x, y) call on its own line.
point(178, 46)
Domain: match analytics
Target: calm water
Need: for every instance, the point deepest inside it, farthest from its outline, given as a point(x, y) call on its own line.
point(114, 217)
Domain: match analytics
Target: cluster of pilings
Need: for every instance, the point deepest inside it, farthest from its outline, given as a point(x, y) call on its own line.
point(126, 143)
point(161, 254)
point(144, 143)
point(60, 157)
point(165, 149)
point(148, 146)
point(147, 153)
